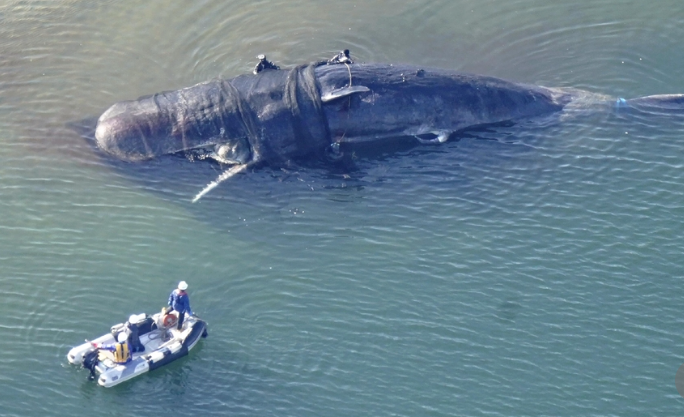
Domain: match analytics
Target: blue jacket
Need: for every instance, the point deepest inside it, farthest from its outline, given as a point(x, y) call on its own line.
point(180, 302)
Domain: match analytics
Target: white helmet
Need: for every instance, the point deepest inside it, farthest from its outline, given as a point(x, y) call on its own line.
point(122, 337)
point(183, 285)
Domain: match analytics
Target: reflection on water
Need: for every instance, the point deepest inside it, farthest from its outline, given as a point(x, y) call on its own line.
point(515, 270)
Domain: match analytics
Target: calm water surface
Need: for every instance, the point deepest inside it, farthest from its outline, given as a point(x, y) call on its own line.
point(532, 270)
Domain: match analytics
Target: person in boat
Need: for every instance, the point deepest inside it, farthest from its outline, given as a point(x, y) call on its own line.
point(121, 350)
point(133, 334)
point(180, 302)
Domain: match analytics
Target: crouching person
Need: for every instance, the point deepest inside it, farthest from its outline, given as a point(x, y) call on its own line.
point(120, 350)
point(133, 334)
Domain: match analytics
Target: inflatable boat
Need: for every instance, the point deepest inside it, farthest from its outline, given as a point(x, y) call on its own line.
point(163, 344)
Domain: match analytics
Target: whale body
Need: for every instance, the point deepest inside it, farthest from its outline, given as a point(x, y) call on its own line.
point(308, 111)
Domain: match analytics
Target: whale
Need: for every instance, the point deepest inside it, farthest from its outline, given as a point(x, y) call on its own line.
point(312, 110)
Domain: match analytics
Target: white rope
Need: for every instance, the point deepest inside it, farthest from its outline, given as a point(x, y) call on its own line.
point(350, 77)
point(224, 176)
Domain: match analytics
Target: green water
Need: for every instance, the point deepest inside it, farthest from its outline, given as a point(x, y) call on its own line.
point(522, 271)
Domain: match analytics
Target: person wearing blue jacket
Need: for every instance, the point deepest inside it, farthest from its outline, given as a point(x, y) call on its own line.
point(180, 302)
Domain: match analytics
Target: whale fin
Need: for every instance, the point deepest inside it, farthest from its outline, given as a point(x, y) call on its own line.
point(227, 174)
point(660, 101)
point(343, 92)
point(440, 136)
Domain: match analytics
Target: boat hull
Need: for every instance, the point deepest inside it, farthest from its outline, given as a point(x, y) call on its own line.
point(163, 345)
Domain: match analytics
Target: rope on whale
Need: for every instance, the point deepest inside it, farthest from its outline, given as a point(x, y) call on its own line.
point(302, 96)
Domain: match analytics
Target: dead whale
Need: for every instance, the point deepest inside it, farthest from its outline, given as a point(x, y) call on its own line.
point(308, 111)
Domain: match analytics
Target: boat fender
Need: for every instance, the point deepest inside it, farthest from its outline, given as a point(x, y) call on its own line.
point(169, 320)
point(166, 352)
point(158, 355)
point(174, 347)
point(155, 356)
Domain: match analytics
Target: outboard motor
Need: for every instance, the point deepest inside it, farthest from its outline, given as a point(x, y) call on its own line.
point(90, 361)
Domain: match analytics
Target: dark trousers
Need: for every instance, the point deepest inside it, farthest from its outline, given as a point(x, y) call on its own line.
point(181, 317)
point(135, 345)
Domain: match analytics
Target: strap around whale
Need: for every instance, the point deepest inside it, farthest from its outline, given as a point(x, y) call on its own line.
point(245, 115)
point(303, 97)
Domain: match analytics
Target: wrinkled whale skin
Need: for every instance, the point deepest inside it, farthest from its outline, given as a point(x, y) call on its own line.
point(311, 110)
point(382, 101)
point(405, 100)
point(205, 114)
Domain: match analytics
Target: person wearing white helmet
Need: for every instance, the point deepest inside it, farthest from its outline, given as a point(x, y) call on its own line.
point(122, 353)
point(134, 334)
point(180, 301)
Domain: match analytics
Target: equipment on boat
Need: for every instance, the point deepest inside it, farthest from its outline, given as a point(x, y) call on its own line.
point(163, 344)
